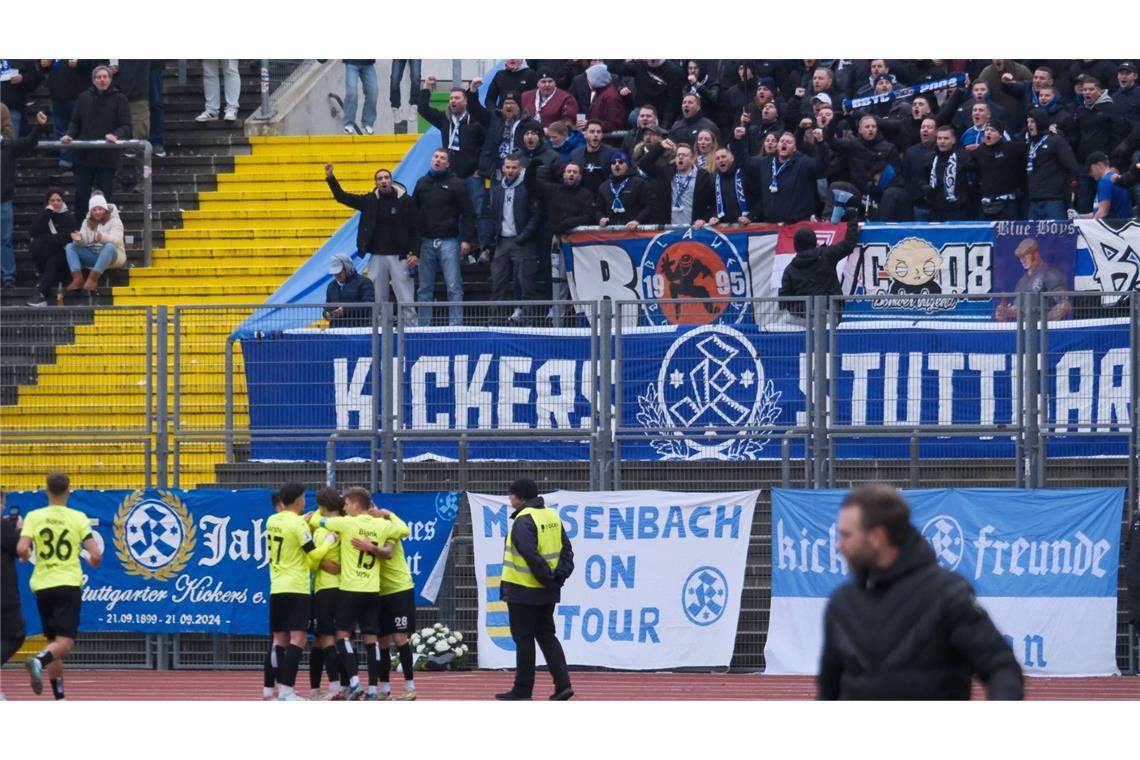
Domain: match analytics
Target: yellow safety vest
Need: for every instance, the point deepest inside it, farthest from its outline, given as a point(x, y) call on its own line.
point(549, 524)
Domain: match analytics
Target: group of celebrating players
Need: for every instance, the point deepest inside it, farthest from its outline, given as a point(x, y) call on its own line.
point(333, 571)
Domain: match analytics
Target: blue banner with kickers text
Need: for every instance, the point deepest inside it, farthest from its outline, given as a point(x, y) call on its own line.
point(697, 383)
point(196, 562)
point(1043, 563)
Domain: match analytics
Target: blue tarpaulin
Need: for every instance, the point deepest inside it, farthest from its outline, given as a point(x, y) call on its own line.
point(309, 282)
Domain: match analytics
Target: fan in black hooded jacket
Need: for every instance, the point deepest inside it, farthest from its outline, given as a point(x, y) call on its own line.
point(912, 630)
point(812, 271)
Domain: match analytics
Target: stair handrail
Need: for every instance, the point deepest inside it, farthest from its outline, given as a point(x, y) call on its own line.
point(148, 196)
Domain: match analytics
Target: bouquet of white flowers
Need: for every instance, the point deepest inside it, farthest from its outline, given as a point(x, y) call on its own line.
point(439, 647)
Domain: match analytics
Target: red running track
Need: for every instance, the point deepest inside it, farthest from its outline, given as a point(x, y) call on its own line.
point(481, 685)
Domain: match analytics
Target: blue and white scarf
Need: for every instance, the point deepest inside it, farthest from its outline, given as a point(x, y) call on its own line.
point(950, 178)
point(738, 185)
point(617, 206)
point(1033, 151)
point(680, 187)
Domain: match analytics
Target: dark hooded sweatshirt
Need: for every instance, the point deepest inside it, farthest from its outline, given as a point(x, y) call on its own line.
point(812, 271)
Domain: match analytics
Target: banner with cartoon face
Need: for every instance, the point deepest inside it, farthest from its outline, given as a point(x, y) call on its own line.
point(657, 577)
point(196, 561)
point(1044, 565)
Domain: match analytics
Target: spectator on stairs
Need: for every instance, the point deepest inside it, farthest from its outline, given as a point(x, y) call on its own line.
point(18, 78)
point(97, 245)
point(50, 233)
point(9, 149)
point(66, 80)
point(101, 113)
point(232, 83)
point(132, 76)
point(362, 71)
point(348, 286)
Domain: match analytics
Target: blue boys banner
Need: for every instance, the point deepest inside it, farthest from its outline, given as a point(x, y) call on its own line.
point(195, 561)
point(1043, 564)
point(688, 380)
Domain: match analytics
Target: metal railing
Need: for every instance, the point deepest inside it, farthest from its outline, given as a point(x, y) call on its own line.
point(209, 404)
point(147, 158)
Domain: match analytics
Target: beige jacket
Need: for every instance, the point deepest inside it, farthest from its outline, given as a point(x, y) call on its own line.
point(110, 231)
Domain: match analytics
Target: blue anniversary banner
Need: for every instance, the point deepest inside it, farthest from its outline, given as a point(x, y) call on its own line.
point(1043, 563)
point(195, 561)
point(686, 380)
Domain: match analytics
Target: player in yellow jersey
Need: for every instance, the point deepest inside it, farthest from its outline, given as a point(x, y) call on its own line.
point(358, 604)
point(56, 533)
point(397, 606)
point(326, 583)
point(289, 543)
point(273, 658)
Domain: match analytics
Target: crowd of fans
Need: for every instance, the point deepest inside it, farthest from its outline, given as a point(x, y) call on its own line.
point(558, 144)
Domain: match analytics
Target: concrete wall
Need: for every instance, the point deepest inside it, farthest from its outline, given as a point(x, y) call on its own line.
point(302, 105)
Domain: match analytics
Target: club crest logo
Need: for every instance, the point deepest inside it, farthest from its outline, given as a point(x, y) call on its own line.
point(154, 537)
point(705, 596)
point(711, 377)
point(447, 505)
point(945, 537)
point(693, 264)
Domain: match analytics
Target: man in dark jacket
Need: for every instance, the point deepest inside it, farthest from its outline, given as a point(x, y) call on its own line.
point(904, 627)
point(388, 230)
point(101, 113)
point(1049, 168)
point(625, 198)
point(812, 271)
point(9, 150)
point(679, 183)
point(462, 137)
point(514, 77)
point(657, 82)
point(11, 617)
point(531, 586)
point(692, 121)
point(538, 157)
point(18, 79)
point(731, 197)
point(593, 158)
point(567, 205)
point(999, 164)
point(348, 286)
point(516, 217)
point(947, 194)
point(446, 226)
point(788, 179)
point(66, 79)
point(1097, 127)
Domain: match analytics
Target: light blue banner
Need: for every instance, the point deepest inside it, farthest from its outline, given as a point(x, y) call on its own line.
point(1006, 542)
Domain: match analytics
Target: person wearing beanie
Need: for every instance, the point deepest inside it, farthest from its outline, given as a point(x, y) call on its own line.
point(999, 164)
point(607, 103)
point(812, 271)
point(504, 133)
point(547, 103)
point(97, 245)
point(1098, 128)
point(1050, 167)
point(537, 561)
point(348, 286)
point(625, 198)
point(536, 153)
point(658, 82)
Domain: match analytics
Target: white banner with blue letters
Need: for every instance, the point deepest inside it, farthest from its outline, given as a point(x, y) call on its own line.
point(1043, 564)
point(656, 584)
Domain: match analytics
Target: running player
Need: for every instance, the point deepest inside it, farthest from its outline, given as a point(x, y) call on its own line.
point(57, 532)
point(397, 607)
point(289, 541)
point(273, 658)
point(326, 582)
point(358, 604)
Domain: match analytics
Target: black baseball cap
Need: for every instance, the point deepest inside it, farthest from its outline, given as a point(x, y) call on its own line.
point(1096, 157)
point(1127, 66)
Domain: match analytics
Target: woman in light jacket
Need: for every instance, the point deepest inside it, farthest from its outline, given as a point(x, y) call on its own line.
point(98, 245)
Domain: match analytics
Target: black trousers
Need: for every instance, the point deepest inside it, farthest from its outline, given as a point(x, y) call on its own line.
point(531, 623)
point(88, 178)
point(51, 261)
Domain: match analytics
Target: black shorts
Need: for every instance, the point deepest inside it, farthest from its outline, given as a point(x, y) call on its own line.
point(398, 612)
point(358, 608)
point(288, 612)
point(59, 610)
point(324, 612)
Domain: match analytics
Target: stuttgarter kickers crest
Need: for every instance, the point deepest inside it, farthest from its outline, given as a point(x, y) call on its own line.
point(154, 538)
point(944, 535)
point(711, 377)
point(693, 264)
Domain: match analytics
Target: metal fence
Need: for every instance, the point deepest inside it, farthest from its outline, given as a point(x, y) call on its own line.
point(196, 421)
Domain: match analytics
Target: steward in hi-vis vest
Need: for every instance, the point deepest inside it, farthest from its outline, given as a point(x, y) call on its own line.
point(537, 560)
